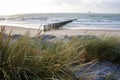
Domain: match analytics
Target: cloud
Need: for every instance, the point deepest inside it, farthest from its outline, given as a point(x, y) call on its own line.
point(109, 6)
point(41, 6)
point(94, 5)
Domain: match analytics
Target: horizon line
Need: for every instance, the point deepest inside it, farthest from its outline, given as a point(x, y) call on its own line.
point(59, 13)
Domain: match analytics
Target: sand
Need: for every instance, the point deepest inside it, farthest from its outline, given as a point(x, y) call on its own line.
point(22, 31)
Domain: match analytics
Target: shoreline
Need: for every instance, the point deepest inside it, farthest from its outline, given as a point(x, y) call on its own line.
point(98, 32)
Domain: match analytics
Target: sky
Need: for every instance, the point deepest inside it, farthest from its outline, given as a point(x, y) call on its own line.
point(10, 7)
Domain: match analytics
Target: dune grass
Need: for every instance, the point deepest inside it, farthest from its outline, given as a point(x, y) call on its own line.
point(31, 59)
point(101, 48)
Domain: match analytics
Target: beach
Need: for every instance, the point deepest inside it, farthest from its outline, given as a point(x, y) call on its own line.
point(58, 33)
point(60, 40)
point(91, 54)
point(77, 24)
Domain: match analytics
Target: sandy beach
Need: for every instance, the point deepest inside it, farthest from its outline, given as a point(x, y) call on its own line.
point(22, 31)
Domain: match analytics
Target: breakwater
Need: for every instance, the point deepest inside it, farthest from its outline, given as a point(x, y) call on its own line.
point(55, 26)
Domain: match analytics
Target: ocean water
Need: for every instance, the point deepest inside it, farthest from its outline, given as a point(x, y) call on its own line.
point(83, 21)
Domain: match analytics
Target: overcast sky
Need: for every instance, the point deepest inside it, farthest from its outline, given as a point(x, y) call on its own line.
point(58, 6)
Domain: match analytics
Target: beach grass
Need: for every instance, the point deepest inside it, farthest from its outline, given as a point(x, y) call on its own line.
point(26, 58)
point(101, 48)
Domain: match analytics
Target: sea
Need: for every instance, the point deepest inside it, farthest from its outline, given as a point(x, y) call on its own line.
point(83, 20)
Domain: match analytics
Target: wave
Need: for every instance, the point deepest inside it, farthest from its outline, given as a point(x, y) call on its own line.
point(83, 20)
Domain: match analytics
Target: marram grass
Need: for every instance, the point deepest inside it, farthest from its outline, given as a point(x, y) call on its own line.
point(31, 59)
point(24, 59)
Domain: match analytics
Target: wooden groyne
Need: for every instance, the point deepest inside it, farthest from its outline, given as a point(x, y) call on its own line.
point(55, 26)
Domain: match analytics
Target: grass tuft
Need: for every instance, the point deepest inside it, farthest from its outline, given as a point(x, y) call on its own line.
point(26, 58)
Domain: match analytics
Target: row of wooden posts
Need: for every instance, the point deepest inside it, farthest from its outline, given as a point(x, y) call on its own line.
point(56, 26)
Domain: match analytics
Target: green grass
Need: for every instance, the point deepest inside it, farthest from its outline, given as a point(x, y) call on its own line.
point(102, 48)
point(31, 59)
